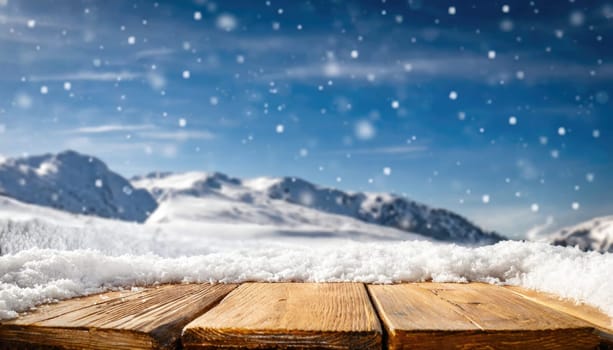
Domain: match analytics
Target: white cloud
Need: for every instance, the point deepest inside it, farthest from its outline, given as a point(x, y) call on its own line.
point(385, 150)
point(88, 75)
point(156, 53)
point(443, 67)
point(99, 129)
point(178, 135)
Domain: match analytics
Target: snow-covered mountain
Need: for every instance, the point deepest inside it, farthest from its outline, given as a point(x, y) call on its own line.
point(595, 234)
point(199, 202)
point(75, 183)
point(216, 197)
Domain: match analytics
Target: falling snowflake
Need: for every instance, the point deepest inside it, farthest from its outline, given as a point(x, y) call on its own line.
point(387, 171)
point(575, 206)
point(186, 74)
point(280, 128)
point(364, 130)
point(226, 22)
point(453, 95)
point(577, 18)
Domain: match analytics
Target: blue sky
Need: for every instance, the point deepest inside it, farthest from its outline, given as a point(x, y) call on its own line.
point(462, 101)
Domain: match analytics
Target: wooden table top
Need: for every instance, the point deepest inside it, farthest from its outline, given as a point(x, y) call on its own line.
point(312, 316)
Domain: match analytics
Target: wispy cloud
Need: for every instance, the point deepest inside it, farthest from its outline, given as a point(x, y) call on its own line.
point(157, 52)
point(474, 68)
point(46, 22)
point(87, 76)
point(100, 129)
point(395, 150)
point(178, 135)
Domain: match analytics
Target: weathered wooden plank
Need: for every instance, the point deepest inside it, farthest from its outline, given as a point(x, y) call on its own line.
point(602, 322)
point(414, 318)
point(289, 315)
point(149, 319)
point(473, 316)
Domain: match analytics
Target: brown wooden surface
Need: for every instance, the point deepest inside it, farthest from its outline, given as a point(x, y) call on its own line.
point(289, 315)
point(602, 322)
point(311, 315)
point(149, 319)
point(468, 316)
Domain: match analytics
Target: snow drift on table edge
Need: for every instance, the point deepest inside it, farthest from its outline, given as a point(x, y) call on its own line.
point(35, 276)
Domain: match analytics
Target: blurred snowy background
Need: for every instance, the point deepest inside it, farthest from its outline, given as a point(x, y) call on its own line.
point(496, 110)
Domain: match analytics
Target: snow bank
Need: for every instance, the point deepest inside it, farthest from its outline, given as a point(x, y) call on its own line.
point(34, 276)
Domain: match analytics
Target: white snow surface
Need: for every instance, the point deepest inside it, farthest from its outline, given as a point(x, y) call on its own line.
point(50, 255)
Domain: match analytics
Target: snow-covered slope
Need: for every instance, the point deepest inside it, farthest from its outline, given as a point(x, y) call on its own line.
point(200, 203)
point(595, 234)
point(75, 183)
point(216, 197)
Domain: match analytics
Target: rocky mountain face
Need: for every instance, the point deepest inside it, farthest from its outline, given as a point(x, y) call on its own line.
point(595, 234)
point(75, 183)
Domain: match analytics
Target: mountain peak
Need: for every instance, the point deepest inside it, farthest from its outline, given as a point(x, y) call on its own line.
point(382, 209)
point(76, 183)
point(595, 234)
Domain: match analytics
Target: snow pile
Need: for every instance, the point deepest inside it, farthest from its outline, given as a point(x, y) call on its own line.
point(37, 276)
point(595, 234)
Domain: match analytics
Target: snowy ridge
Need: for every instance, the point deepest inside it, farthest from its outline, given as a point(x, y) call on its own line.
point(75, 183)
point(222, 197)
point(595, 234)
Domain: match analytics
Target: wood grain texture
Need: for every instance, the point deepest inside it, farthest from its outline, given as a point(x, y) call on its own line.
point(602, 322)
point(289, 315)
point(473, 316)
point(149, 319)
